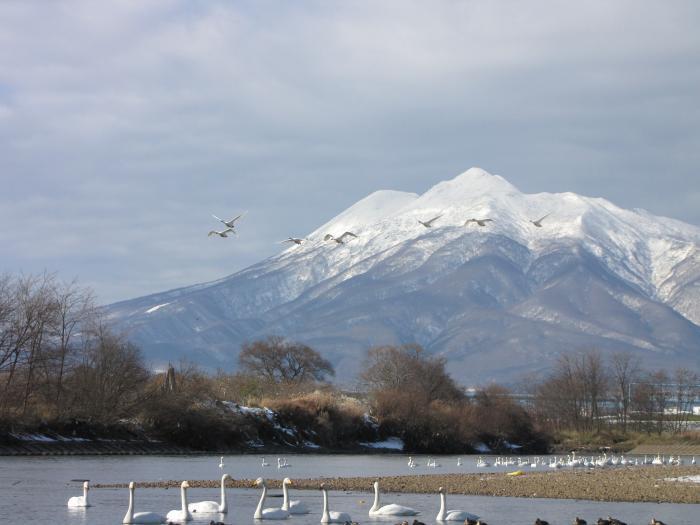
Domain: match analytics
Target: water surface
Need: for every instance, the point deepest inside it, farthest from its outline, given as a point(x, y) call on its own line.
point(35, 490)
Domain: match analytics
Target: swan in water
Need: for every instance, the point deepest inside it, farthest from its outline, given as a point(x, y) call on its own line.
point(264, 463)
point(208, 507)
point(388, 510)
point(452, 515)
point(282, 463)
point(182, 514)
point(140, 518)
point(293, 507)
point(221, 462)
point(332, 516)
point(81, 501)
point(269, 513)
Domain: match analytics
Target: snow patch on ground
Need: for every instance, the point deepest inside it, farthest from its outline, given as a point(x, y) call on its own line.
point(156, 308)
point(392, 443)
point(686, 479)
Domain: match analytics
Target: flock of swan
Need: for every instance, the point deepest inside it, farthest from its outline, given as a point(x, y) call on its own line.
point(287, 509)
point(571, 460)
point(231, 228)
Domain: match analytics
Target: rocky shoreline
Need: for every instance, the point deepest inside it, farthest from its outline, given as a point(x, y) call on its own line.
point(630, 484)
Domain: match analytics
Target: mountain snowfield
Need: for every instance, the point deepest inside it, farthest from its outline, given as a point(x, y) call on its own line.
point(499, 301)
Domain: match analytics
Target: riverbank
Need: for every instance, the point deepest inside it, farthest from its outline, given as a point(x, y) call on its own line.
point(630, 484)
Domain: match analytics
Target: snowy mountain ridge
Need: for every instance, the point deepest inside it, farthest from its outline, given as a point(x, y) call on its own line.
point(510, 272)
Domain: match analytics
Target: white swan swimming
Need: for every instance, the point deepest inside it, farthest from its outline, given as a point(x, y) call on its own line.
point(269, 513)
point(209, 507)
point(81, 501)
point(293, 507)
point(182, 514)
point(332, 516)
point(452, 515)
point(389, 510)
point(264, 463)
point(141, 518)
point(221, 462)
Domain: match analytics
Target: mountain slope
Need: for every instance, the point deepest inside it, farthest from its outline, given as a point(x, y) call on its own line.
point(594, 275)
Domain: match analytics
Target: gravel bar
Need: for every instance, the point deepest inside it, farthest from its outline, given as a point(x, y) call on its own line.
point(634, 484)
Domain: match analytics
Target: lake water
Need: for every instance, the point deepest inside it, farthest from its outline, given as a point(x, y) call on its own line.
point(35, 490)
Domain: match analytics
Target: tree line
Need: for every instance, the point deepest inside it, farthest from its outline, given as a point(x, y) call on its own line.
point(61, 363)
point(587, 392)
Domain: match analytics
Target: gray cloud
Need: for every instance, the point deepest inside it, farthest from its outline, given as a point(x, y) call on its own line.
point(122, 127)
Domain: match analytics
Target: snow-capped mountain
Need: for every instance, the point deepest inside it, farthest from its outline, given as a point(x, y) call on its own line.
point(498, 300)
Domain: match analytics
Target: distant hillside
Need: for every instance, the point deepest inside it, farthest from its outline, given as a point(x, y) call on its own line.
point(498, 301)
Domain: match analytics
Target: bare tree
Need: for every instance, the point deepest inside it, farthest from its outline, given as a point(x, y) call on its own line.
point(110, 381)
point(409, 366)
point(625, 368)
point(278, 360)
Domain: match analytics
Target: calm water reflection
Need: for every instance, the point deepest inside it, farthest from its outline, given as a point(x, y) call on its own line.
point(36, 490)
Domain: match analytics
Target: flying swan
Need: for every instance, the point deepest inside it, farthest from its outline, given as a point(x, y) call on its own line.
point(389, 510)
point(141, 518)
point(208, 507)
point(293, 507)
point(81, 501)
point(480, 222)
point(339, 240)
point(269, 513)
point(429, 223)
point(182, 514)
point(538, 222)
point(223, 233)
point(452, 515)
point(231, 223)
point(332, 516)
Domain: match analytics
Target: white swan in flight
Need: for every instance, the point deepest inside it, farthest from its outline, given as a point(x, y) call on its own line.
point(480, 222)
point(231, 223)
point(295, 240)
point(293, 507)
point(141, 518)
point(538, 222)
point(389, 510)
point(269, 513)
point(452, 515)
point(209, 507)
point(222, 233)
point(429, 223)
point(339, 240)
point(182, 514)
point(81, 501)
point(332, 516)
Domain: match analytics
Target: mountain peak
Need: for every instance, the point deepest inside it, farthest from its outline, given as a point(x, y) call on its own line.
point(369, 210)
point(473, 184)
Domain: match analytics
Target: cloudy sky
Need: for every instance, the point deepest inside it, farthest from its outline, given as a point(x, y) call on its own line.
point(124, 125)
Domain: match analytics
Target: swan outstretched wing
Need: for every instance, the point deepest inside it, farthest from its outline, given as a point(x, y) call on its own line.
point(347, 234)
